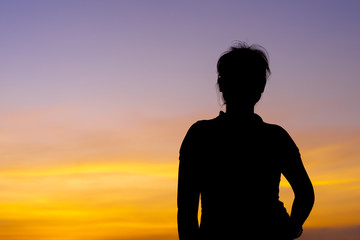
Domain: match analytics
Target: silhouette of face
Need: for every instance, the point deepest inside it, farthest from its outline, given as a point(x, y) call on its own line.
point(241, 88)
point(242, 75)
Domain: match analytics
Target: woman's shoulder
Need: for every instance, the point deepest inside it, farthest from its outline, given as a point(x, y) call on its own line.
point(275, 129)
point(205, 124)
point(197, 137)
point(280, 137)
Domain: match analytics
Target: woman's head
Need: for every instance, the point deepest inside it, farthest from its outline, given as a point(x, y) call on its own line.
point(242, 74)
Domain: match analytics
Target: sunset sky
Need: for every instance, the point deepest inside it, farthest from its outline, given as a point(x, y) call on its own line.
point(96, 97)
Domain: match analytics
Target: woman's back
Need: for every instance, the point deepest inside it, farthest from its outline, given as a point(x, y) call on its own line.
point(239, 167)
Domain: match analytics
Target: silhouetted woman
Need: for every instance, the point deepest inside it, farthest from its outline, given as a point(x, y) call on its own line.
point(234, 161)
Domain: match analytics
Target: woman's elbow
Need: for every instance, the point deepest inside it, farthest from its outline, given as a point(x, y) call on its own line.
point(306, 194)
point(312, 195)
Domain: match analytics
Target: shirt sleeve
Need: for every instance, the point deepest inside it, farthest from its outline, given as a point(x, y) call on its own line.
point(289, 153)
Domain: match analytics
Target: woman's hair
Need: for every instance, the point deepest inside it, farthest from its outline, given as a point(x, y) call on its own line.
point(244, 66)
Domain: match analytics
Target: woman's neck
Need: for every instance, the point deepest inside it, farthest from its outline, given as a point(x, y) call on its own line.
point(239, 111)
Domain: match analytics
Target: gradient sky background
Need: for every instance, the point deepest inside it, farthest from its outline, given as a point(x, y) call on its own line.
point(96, 97)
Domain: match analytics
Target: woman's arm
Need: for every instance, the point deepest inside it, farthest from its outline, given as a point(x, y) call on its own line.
point(188, 186)
point(304, 199)
point(294, 171)
point(187, 202)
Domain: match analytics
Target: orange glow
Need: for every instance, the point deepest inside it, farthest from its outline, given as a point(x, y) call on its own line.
point(138, 199)
point(89, 201)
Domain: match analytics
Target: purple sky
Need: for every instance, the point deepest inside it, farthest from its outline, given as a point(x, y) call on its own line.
point(121, 54)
